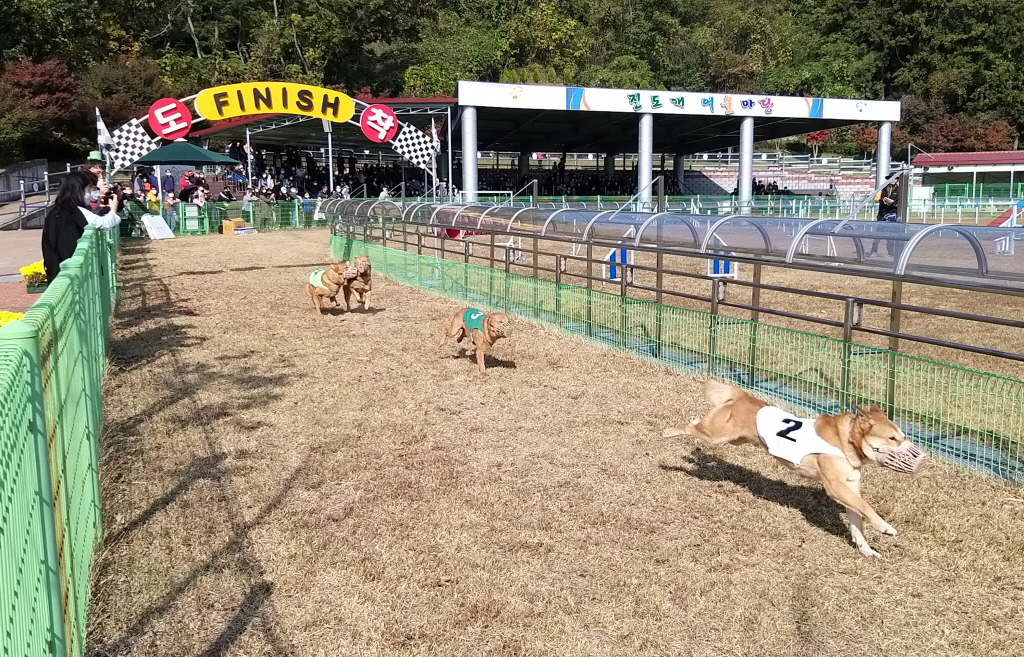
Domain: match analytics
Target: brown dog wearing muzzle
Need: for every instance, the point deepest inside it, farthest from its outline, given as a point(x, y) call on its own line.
point(482, 329)
point(830, 448)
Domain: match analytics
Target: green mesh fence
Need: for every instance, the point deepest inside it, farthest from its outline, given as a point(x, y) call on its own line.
point(189, 219)
point(968, 417)
point(51, 366)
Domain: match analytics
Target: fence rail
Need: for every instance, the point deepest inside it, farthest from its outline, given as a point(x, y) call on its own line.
point(51, 415)
point(969, 417)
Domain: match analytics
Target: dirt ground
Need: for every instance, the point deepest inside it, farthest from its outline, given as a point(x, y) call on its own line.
point(280, 483)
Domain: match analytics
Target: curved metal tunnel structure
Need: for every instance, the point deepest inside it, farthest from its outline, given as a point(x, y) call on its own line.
point(978, 257)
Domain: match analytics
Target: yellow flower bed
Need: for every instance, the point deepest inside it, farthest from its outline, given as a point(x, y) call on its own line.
point(34, 274)
point(6, 317)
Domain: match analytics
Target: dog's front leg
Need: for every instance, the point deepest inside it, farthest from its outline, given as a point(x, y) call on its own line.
point(480, 347)
point(348, 297)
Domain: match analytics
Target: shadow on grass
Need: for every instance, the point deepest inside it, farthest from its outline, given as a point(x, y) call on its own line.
point(256, 604)
point(817, 507)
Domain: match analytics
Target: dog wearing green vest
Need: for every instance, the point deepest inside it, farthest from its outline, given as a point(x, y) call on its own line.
point(482, 329)
point(327, 283)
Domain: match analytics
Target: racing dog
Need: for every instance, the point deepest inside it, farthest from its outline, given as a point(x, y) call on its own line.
point(326, 283)
point(482, 329)
point(360, 285)
point(831, 449)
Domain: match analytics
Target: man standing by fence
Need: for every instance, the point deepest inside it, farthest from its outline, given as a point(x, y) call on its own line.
point(888, 200)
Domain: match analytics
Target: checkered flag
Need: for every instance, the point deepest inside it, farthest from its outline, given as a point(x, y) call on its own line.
point(131, 141)
point(415, 146)
point(103, 138)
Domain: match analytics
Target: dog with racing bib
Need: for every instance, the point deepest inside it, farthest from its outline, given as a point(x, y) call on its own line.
point(482, 329)
point(831, 448)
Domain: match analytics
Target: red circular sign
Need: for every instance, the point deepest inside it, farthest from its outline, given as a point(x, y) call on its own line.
point(170, 118)
point(379, 123)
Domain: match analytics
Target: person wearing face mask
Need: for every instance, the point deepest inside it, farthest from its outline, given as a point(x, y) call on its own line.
point(66, 221)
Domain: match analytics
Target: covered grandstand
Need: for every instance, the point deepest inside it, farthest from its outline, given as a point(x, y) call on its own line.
point(525, 119)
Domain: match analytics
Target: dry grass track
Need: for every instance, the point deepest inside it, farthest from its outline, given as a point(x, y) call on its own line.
point(277, 483)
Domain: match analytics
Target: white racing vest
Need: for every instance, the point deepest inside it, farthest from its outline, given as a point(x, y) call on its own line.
point(790, 437)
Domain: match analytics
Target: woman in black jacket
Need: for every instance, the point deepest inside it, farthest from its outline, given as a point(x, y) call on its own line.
point(66, 221)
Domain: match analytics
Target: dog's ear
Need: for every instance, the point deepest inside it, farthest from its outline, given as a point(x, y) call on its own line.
point(875, 408)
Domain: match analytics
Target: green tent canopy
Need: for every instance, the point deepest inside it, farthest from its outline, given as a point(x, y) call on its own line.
point(182, 152)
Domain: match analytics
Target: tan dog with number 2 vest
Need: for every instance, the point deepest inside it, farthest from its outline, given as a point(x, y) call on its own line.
point(831, 449)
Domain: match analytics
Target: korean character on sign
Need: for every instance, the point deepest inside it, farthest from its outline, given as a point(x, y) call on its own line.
point(380, 121)
point(727, 105)
point(678, 101)
point(655, 102)
point(747, 104)
point(709, 103)
point(634, 100)
point(767, 104)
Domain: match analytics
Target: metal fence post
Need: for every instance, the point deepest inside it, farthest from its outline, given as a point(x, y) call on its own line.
point(716, 296)
point(851, 317)
point(623, 275)
point(508, 269)
point(590, 290)
point(558, 287)
point(536, 276)
point(894, 345)
point(755, 316)
point(21, 210)
point(659, 306)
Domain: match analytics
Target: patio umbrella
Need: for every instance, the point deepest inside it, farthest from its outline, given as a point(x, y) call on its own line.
point(181, 152)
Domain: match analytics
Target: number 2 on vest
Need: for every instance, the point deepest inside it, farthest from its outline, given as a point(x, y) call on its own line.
point(794, 425)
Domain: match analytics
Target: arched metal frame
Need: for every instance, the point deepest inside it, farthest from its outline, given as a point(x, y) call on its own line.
point(586, 231)
point(685, 221)
point(442, 207)
point(412, 208)
point(859, 231)
point(518, 212)
point(544, 228)
point(750, 220)
point(908, 250)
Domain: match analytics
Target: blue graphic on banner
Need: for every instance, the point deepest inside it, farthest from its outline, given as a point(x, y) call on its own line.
point(817, 108)
point(573, 98)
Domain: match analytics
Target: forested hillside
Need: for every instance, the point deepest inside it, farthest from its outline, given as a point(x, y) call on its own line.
point(956, 64)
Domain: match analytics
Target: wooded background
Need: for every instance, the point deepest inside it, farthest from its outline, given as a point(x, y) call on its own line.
point(955, 64)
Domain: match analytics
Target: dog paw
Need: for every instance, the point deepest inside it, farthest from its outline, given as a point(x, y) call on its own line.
point(887, 529)
point(868, 552)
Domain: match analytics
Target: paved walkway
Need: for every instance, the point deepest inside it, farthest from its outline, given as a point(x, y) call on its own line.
point(17, 249)
point(14, 299)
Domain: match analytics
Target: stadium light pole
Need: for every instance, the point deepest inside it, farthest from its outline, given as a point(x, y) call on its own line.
point(645, 154)
point(469, 146)
point(882, 149)
point(745, 183)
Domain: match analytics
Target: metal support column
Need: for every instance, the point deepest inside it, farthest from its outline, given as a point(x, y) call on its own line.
point(645, 153)
point(469, 146)
point(451, 181)
point(524, 167)
point(679, 170)
point(330, 155)
point(884, 145)
point(609, 164)
point(248, 153)
point(745, 183)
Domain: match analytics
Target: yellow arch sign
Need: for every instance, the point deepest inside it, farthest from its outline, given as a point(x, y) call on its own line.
point(253, 98)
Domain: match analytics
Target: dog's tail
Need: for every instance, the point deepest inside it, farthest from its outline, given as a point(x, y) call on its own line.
point(719, 393)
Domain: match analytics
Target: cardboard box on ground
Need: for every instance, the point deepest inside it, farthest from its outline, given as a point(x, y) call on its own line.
point(236, 227)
